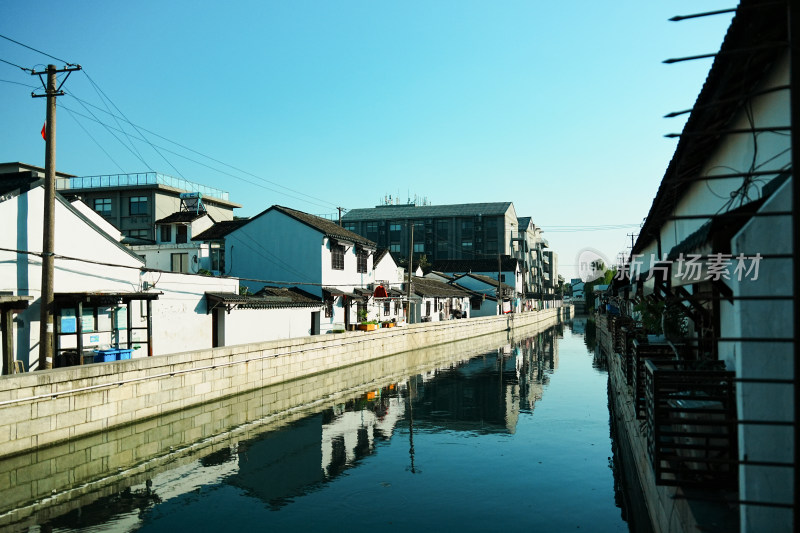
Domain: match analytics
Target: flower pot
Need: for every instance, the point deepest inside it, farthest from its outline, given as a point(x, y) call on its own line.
point(367, 327)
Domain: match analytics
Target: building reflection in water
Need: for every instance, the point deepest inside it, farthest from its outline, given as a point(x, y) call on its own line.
point(485, 394)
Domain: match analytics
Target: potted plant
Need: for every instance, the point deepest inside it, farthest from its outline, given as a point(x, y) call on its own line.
point(364, 324)
point(368, 325)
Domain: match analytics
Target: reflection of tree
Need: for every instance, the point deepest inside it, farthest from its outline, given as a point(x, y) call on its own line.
point(590, 336)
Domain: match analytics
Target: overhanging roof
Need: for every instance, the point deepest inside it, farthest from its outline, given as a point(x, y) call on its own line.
point(755, 41)
point(102, 298)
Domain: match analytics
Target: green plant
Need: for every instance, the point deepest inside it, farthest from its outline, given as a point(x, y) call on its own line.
point(362, 315)
point(659, 318)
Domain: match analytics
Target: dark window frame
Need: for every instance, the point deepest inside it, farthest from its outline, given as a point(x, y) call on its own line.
point(337, 256)
point(361, 260)
point(181, 234)
point(183, 266)
point(137, 205)
point(102, 206)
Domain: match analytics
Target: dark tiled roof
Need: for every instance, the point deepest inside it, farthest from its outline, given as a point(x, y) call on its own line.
point(487, 280)
point(388, 212)
point(181, 216)
point(434, 288)
point(326, 227)
point(523, 223)
point(442, 275)
point(462, 266)
point(292, 294)
point(17, 183)
point(380, 254)
point(266, 298)
point(747, 53)
point(220, 229)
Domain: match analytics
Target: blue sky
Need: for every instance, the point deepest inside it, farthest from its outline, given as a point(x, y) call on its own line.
point(555, 106)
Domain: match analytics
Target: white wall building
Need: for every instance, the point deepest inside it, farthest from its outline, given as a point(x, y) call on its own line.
point(285, 247)
point(732, 166)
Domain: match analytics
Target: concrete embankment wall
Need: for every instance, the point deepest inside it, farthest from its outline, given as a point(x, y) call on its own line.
point(43, 408)
point(51, 481)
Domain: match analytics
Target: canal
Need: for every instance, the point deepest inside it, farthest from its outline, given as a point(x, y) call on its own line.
point(510, 436)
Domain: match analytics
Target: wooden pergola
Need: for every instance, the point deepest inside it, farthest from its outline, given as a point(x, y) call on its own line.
point(77, 301)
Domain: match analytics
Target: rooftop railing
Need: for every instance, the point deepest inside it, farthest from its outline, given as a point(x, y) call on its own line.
point(137, 179)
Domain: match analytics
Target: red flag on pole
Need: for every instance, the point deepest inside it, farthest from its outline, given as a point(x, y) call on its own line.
point(44, 136)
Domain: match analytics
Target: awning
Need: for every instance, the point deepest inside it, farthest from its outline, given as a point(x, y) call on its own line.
point(336, 292)
point(101, 299)
point(14, 303)
point(232, 300)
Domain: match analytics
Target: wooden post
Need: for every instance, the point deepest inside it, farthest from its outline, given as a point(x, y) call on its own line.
point(149, 328)
point(7, 328)
point(79, 330)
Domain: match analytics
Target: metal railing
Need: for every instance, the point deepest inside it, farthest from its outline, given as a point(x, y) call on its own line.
point(691, 425)
point(135, 180)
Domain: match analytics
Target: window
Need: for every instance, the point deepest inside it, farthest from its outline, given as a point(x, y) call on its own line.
point(428, 308)
point(351, 226)
point(182, 234)
point(467, 228)
point(337, 256)
point(180, 263)
point(419, 247)
point(217, 258)
point(395, 230)
point(139, 233)
point(372, 231)
point(394, 248)
point(361, 260)
point(166, 233)
point(102, 205)
point(466, 246)
point(328, 308)
point(138, 205)
point(387, 308)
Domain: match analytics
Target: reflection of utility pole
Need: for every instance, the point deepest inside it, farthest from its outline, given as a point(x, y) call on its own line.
point(410, 266)
point(48, 238)
point(411, 428)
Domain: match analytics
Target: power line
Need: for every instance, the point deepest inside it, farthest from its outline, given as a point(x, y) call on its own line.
point(198, 162)
point(93, 139)
point(39, 51)
point(15, 65)
point(107, 127)
point(97, 88)
point(206, 156)
point(159, 271)
point(18, 83)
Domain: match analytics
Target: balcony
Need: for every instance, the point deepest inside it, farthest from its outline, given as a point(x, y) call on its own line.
point(691, 424)
point(137, 180)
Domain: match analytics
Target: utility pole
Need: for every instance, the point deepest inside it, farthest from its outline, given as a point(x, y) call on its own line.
point(499, 285)
point(631, 235)
point(340, 209)
point(410, 266)
point(46, 332)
